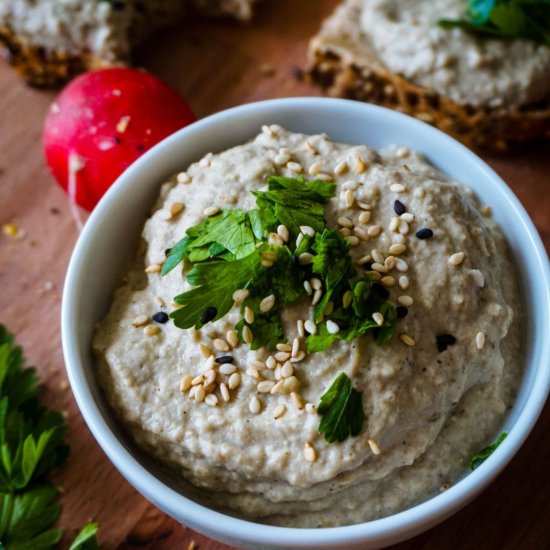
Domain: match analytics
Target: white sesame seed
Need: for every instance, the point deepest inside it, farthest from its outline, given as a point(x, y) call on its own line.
point(197, 380)
point(307, 230)
point(267, 131)
point(390, 262)
point(282, 159)
point(282, 231)
point(316, 296)
point(359, 165)
point(234, 381)
point(279, 411)
point(265, 386)
point(192, 392)
point(378, 318)
point(361, 232)
point(405, 300)
point(407, 340)
point(341, 168)
point(247, 335)
point(394, 224)
point(153, 268)
point(164, 215)
point(401, 265)
point(299, 239)
point(209, 363)
point(211, 211)
point(248, 315)
point(397, 188)
point(311, 148)
point(221, 345)
point(397, 249)
point(291, 384)
point(151, 330)
point(377, 256)
point(259, 365)
point(300, 328)
point(282, 356)
point(270, 362)
point(480, 340)
point(310, 454)
point(185, 383)
point(275, 239)
point(352, 240)
point(277, 372)
point(210, 378)
point(485, 210)
point(287, 370)
point(224, 392)
point(227, 369)
point(315, 168)
point(404, 282)
point(241, 295)
point(310, 326)
point(403, 227)
point(295, 347)
point(300, 356)
point(311, 408)
point(140, 320)
point(374, 447)
point(183, 177)
point(345, 222)
point(364, 217)
point(278, 387)
point(307, 287)
point(253, 373)
point(232, 338)
point(478, 278)
point(298, 403)
point(254, 405)
point(381, 268)
point(200, 394)
point(176, 208)
point(388, 281)
point(283, 347)
point(294, 167)
point(364, 260)
point(332, 327)
point(364, 205)
point(344, 231)
point(374, 230)
point(408, 217)
point(350, 184)
point(305, 258)
point(349, 198)
point(316, 283)
point(456, 259)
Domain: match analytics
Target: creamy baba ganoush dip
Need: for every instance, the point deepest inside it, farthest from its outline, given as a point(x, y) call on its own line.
point(428, 384)
point(455, 63)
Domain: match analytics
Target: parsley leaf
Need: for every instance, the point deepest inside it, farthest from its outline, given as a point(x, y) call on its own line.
point(341, 409)
point(486, 452)
point(510, 19)
point(31, 444)
point(85, 540)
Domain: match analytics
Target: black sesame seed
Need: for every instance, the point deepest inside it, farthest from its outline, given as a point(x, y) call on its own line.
point(167, 251)
point(444, 340)
point(381, 291)
point(402, 311)
point(399, 208)
point(368, 266)
point(224, 359)
point(424, 233)
point(208, 314)
point(160, 317)
point(342, 323)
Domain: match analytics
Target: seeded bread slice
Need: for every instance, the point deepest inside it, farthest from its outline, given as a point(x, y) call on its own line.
point(344, 65)
point(48, 43)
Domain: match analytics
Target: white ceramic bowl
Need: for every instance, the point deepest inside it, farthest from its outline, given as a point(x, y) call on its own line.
point(110, 235)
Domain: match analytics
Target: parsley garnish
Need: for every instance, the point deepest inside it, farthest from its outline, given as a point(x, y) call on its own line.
point(486, 452)
point(31, 444)
point(227, 252)
point(529, 19)
point(342, 410)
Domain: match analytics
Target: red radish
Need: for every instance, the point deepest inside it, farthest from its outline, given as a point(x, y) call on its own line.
point(102, 122)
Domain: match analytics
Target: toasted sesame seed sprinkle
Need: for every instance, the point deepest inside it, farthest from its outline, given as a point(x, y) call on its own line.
point(397, 249)
point(378, 318)
point(247, 335)
point(211, 211)
point(397, 188)
point(408, 217)
point(300, 356)
point(310, 454)
point(278, 387)
point(205, 350)
point(388, 281)
point(456, 259)
point(298, 403)
point(267, 303)
point(310, 147)
point(232, 338)
point(305, 258)
point(478, 278)
point(287, 370)
point(299, 239)
point(227, 369)
point(349, 198)
point(241, 295)
point(183, 177)
point(403, 227)
point(153, 268)
point(151, 330)
point(257, 364)
point(210, 378)
point(350, 184)
point(363, 260)
point(401, 265)
point(381, 268)
point(282, 231)
point(197, 380)
point(374, 230)
point(248, 315)
point(270, 362)
point(255, 405)
point(405, 300)
point(281, 159)
point(404, 282)
point(332, 327)
point(316, 296)
point(307, 287)
point(300, 328)
point(345, 222)
point(279, 411)
point(352, 240)
point(267, 131)
point(224, 392)
point(377, 256)
point(363, 205)
point(253, 373)
point(275, 239)
point(390, 262)
point(295, 347)
point(282, 356)
point(480, 340)
point(265, 386)
point(364, 217)
point(315, 168)
point(359, 165)
point(140, 320)
point(200, 394)
point(284, 347)
point(316, 283)
point(185, 383)
point(176, 207)
point(221, 345)
point(310, 326)
point(234, 381)
point(394, 224)
point(374, 447)
point(209, 363)
point(407, 340)
point(307, 230)
point(486, 210)
point(341, 168)
point(294, 167)
point(374, 274)
point(344, 231)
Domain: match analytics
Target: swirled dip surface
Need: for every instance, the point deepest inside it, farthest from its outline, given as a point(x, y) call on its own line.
point(427, 410)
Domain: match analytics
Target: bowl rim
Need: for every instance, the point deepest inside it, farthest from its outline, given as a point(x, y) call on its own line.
point(231, 528)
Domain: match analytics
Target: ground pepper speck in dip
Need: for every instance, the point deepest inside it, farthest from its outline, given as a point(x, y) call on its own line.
point(250, 426)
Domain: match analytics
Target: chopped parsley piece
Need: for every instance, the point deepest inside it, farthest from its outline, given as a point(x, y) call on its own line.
point(486, 452)
point(232, 251)
point(31, 444)
point(341, 409)
point(509, 19)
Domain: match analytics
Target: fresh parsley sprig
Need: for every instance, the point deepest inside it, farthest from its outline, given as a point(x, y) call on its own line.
point(31, 444)
point(480, 457)
point(509, 19)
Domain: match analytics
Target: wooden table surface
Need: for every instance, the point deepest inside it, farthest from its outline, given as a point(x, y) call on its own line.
point(215, 65)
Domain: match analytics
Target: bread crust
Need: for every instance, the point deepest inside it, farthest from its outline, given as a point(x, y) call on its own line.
point(346, 66)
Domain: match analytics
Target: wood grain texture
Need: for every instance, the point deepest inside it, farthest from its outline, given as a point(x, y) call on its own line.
point(215, 65)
